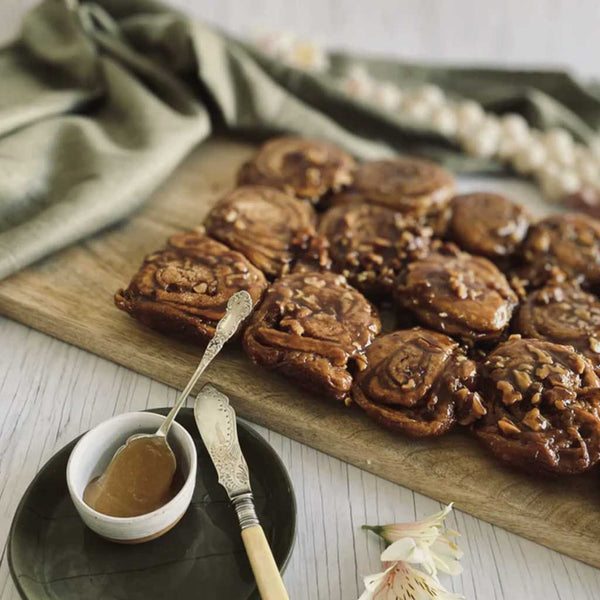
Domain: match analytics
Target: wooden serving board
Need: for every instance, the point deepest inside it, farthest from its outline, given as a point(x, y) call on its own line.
point(70, 296)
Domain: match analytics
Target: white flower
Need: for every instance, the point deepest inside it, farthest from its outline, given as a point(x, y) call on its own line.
point(427, 542)
point(308, 56)
point(401, 581)
point(275, 45)
point(284, 46)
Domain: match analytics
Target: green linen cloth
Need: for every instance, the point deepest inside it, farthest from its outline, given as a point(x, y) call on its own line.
point(100, 101)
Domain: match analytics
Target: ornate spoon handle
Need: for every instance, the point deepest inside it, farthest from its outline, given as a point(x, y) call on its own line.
point(238, 308)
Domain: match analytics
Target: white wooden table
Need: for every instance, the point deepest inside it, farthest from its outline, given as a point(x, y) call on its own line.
point(51, 391)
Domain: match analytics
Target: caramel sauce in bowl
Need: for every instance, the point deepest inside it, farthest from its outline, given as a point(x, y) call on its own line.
point(90, 459)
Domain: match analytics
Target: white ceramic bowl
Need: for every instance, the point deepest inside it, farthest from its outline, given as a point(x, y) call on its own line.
point(91, 456)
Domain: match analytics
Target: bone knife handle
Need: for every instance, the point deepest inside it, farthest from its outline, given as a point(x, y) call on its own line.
point(266, 573)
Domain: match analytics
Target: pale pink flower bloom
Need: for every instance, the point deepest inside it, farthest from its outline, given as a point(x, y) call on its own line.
point(429, 539)
point(275, 45)
point(427, 543)
point(400, 581)
point(307, 55)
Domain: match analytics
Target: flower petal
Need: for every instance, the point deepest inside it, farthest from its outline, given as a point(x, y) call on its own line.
point(373, 584)
point(446, 555)
point(405, 549)
point(426, 530)
point(407, 582)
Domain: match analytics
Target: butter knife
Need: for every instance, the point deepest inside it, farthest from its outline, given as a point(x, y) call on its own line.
point(215, 419)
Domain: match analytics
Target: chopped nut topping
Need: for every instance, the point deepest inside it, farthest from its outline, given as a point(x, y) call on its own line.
point(522, 379)
point(313, 176)
point(509, 394)
point(293, 325)
point(315, 281)
point(542, 357)
point(543, 371)
point(201, 288)
point(409, 385)
point(230, 216)
point(382, 242)
point(376, 258)
point(508, 427)
point(303, 312)
point(241, 267)
point(361, 362)
point(579, 364)
point(458, 287)
point(535, 421)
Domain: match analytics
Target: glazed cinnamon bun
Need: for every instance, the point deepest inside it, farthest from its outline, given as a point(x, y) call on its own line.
point(542, 407)
point(370, 245)
point(568, 244)
point(487, 224)
point(418, 382)
point(183, 290)
point(458, 294)
point(267, 226)
point(412, 186)
point(312, 328)
point(301, 167)
point(565, 314)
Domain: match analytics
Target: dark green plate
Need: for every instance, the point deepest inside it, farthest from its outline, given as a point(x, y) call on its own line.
point(52, 555)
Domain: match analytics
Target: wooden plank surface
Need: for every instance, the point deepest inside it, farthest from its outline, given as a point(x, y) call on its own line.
point(70, 296)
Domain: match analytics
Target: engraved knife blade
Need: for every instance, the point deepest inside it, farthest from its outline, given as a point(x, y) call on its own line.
point(216, 422)
point(215, 419)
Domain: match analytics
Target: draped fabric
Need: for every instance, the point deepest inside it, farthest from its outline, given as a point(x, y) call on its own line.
point(99, 101)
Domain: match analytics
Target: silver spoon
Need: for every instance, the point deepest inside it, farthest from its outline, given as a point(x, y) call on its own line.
point(238, 308)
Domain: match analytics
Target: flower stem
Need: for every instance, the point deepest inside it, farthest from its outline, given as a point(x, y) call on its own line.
point(374, 528)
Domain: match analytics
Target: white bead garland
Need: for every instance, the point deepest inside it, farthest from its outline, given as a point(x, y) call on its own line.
point(358, 83)
point(515, 128)
point(387, 95)
point(560, 146)
point(559, 165)
point(444, 120)
point(482, 139)
point(530, 157)
point(416, 109)
point(431, 95)
point(469, 114)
